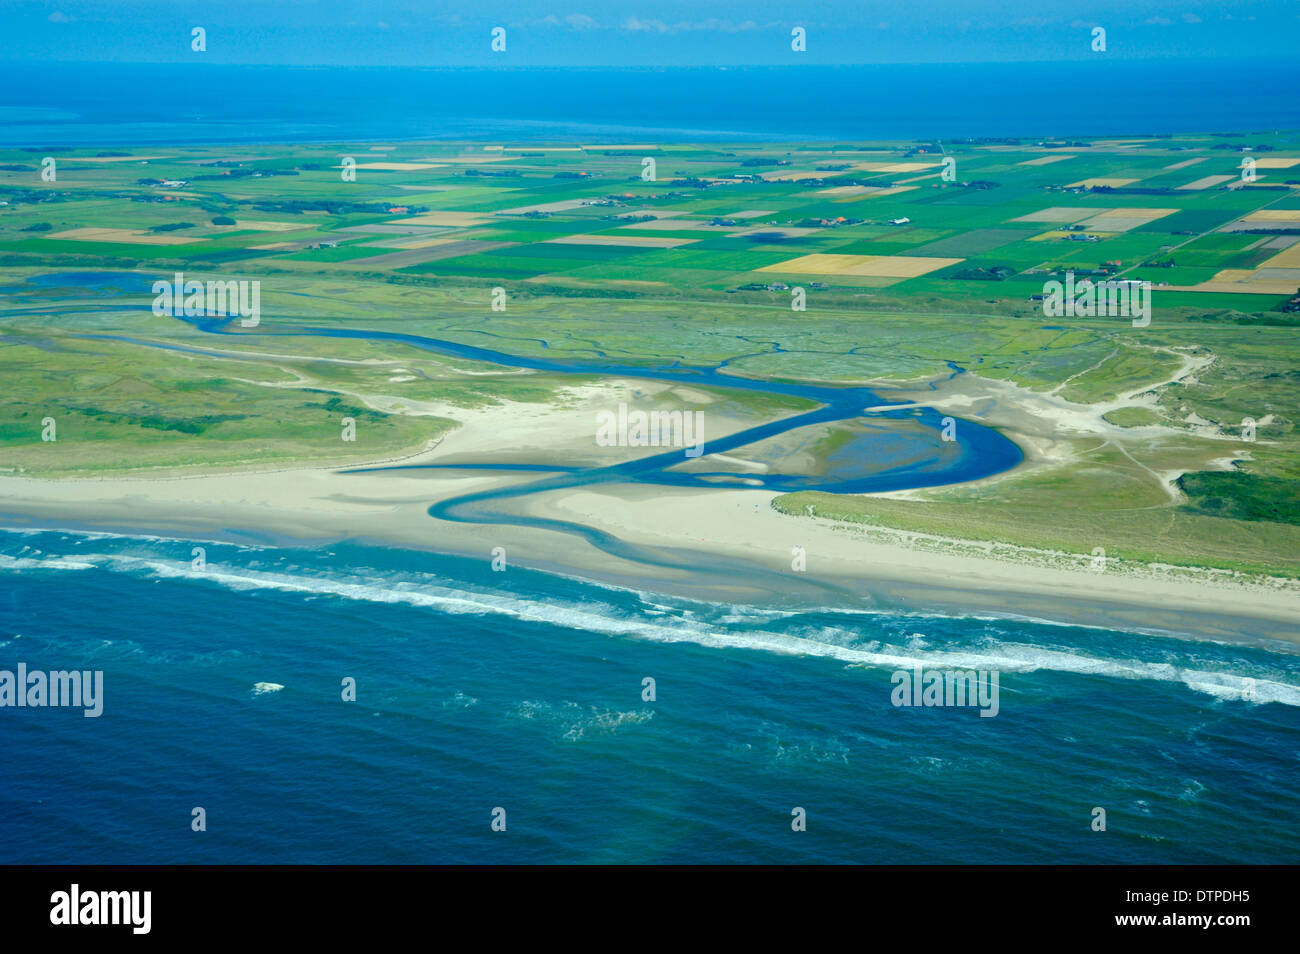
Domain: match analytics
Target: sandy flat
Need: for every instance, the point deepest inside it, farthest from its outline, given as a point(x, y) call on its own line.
point(734, 529)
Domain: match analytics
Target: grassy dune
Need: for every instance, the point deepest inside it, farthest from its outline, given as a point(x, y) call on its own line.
point(421, 251)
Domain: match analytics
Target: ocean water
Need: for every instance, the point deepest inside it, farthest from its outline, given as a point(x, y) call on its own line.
point(123, 104)
point(520, 690)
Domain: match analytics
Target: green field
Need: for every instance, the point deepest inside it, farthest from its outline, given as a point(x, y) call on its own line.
point(595, 261)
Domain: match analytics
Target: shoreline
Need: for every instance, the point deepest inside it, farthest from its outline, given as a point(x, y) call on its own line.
point(717, 544)
point(720, 546)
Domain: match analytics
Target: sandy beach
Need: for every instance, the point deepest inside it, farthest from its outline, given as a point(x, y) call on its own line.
point(724, 544)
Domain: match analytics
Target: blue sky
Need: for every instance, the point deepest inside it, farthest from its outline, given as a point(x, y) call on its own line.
point(658, 33)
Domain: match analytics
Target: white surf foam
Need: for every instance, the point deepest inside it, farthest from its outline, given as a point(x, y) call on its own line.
point(688, 627)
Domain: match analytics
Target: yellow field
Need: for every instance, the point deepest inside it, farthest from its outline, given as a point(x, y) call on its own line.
point(411, 242)
point(126, 237)
point(787, 175)
point(1248, 281)
point(788, 231)
point(1125, 218)
point(1287, 258)
point(1209, 182)
point(679, 225)
point(895, 166)
point(455, 220)
point(876, 266)
point(1058, 236)
point(1274, 215)
point(1057, 213)
point(563, 205)
point(114, 158)
point(1240, 288)
point(631, 241)
point(396, 166)
point(1185, 163)
point(471, 160)
point(1104, 182)
point(874, 193)
point(1275, 162)
point(1044, 160)
point(260, 225)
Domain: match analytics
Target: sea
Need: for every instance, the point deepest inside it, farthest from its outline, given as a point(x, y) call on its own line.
point(108, 104)
point(352, 703)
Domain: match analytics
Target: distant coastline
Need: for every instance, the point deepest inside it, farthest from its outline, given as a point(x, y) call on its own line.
point(117, 104)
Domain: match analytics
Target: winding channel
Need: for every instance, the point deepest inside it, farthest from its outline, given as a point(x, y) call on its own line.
point(895, 446)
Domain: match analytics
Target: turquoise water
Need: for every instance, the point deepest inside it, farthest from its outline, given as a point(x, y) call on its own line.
point(519, 690)
point(130, 104)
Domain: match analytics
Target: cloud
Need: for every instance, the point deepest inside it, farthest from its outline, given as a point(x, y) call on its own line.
point(58, 16)
point(633, 24)
point(637, 25)
point(1191, 18)
point(574, 21)
point(1157, 21)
